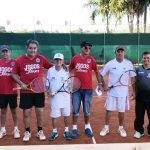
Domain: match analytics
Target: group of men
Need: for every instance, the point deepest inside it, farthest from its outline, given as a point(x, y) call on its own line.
point(30, 65)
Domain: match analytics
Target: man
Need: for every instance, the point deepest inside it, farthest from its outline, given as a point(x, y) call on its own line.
point(142, 97)
point(59, 103)
point(117, 97)
point(83, 64)
point(7, 95)
point(28, 67)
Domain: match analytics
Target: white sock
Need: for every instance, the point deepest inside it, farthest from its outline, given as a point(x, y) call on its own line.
point(87, 126)
point(74, 127)
point(106, 126)
point(120, 127)
point(66, 129)
point(3, 128)
point(55, 130)
point(15, 127)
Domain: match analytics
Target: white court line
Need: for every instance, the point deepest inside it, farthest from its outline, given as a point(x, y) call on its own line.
point(93, 139)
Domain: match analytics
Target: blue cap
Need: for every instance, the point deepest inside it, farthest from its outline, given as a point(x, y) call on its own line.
point(4, 47)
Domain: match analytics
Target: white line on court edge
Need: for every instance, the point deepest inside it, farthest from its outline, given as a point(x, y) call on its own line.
point(93, 139)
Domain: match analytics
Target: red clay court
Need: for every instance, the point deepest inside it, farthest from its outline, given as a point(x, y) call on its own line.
point(97, 122)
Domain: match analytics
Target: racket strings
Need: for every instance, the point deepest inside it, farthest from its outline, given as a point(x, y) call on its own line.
point(72, 84)
point(39, 85)
point(127, 78)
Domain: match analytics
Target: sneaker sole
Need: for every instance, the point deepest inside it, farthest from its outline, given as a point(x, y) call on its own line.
point(17, 137)
point(69, 138)
point(105, 134)
point(27, 140)
point(121, 135)
point(138, 137)
point(41, 139)
point(3, 136)
point(54, 138)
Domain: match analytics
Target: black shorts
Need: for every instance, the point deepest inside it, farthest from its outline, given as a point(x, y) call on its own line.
point(10, 99)
point(27, 100)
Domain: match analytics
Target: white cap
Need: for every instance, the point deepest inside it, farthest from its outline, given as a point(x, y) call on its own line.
point(59, 56)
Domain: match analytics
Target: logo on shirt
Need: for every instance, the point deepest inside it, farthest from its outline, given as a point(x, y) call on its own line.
point(140, 72)
point(12, 64)
point(38, 60)
point(82, 67)
point(5, 71)
point(88, 60)
point(32, 68)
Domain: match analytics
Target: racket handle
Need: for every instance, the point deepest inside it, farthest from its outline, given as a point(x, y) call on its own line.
point(18, 88)
point(53, 93)
point(111, 87)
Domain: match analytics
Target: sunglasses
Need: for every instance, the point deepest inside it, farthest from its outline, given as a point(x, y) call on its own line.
point(87, 47)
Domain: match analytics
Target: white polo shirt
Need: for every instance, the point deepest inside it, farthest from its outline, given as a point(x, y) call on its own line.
point(115, 69)
point(57, 78)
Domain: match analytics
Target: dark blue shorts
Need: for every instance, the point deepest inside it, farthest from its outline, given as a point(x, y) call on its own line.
point(10, 99)
point(84, 96)
point(28, 100)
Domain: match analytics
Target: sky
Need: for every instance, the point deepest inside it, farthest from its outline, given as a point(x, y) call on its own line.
point(47, 11)
point(25, 14)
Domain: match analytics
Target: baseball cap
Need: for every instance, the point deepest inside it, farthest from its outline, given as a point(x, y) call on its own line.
point(59, 55)
point(119, 47)
point(4, 47)
point(85, 43)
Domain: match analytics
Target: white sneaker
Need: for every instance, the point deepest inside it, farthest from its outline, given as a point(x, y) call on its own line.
point(41, 135)
point(122, 132)
point(137, 135)
point(104, 131)
point(27, 136)
point(16, 133)
point(2, 133)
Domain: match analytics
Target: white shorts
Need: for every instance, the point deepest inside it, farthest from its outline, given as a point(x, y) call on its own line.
point(119, 104)
point(55, 113)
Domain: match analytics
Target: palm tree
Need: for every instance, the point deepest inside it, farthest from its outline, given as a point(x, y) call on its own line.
point(147, 3)
point(140, 9)
point(100, 7)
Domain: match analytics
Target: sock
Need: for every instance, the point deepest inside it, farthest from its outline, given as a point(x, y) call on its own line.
point(120, 127)
point(66, 129)
point(15, 128)
point(87, 126)
point(3, 128)
point(55, 130)
point(39, 128)
point(106, 126)
point(74, 127)
point(27, 129)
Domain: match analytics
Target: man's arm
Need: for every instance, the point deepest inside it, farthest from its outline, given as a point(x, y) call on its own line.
point(101, 82)
point(134, 86)
point(16, 78)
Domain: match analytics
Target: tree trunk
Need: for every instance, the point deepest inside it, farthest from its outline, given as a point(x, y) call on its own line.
point(138, 21)
point(130, 22)
point(107, 23)
point(145, 18)
point(130, 15)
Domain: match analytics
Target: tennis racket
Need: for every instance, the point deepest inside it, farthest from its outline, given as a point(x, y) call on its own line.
point(126, 79)
point(71, 85)
point(38, 85)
